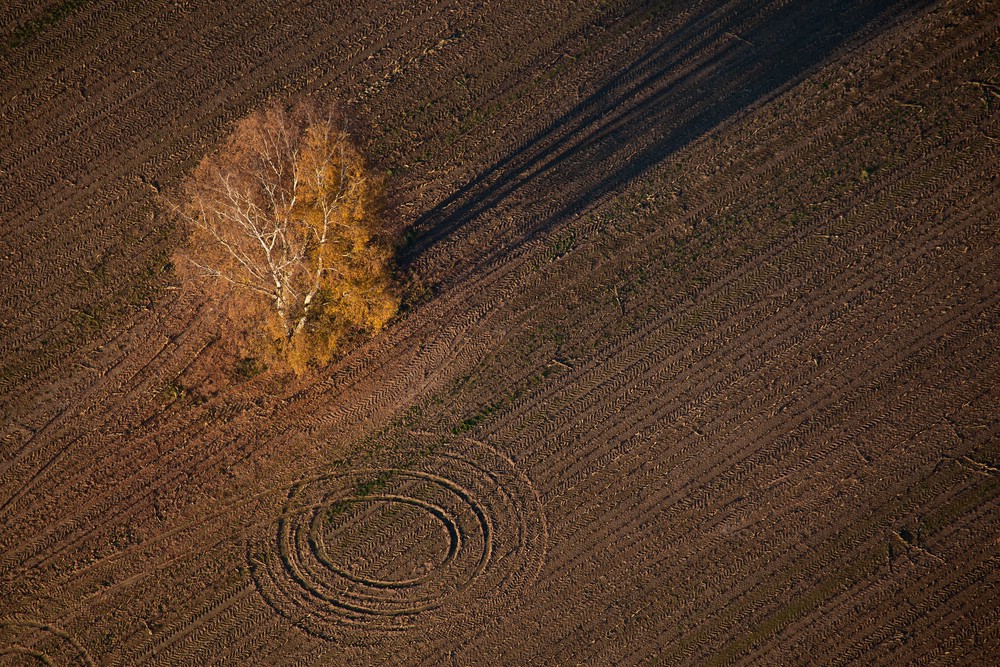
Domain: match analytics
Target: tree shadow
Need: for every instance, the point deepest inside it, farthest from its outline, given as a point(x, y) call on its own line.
point(742, 51)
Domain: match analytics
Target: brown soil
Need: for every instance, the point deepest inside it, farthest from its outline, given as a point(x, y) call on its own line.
point(700, 368)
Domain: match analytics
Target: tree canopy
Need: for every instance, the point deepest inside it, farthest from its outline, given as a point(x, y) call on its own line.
point(284, 227)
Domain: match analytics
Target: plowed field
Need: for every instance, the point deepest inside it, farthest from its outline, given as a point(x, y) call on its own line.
point(702, 366)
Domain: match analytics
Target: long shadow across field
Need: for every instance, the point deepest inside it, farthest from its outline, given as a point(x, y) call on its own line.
point(746, 50)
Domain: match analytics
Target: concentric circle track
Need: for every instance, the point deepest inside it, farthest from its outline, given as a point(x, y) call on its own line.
point(380, 548)
point(25, 641)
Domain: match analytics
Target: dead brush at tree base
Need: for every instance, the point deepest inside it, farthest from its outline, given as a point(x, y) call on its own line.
point(285, 234)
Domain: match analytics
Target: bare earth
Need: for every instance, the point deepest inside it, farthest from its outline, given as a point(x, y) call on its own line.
point(704, 368)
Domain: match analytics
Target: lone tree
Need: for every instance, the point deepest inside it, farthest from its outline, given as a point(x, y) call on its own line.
point(284, 229)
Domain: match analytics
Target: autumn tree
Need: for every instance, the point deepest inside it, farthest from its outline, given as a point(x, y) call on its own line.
point(284, 229)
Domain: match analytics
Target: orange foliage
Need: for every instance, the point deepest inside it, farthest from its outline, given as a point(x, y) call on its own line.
point(285, 231)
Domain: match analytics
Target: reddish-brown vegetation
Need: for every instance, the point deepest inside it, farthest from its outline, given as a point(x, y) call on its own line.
point(284, 230)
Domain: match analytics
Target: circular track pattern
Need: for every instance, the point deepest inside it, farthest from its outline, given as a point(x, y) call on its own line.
point(29, 642)
point(383, 548)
